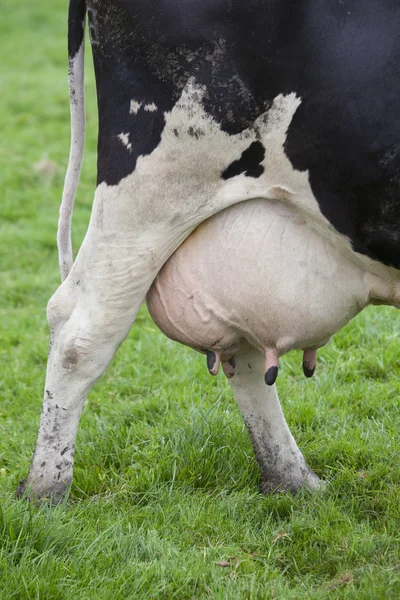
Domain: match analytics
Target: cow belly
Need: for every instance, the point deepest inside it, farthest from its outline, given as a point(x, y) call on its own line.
point(256, 274)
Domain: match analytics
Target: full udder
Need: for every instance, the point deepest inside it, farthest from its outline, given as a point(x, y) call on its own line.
point(256, 274)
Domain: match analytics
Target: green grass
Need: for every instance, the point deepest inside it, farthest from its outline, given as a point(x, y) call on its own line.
point(166, 485)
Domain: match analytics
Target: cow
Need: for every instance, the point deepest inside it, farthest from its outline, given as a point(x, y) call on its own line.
point(226, 111)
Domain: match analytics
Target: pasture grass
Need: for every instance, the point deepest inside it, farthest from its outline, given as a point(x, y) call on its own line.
point(165, 501)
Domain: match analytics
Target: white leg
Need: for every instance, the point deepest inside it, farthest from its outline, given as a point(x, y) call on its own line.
point(89, 316)
point(282, 465)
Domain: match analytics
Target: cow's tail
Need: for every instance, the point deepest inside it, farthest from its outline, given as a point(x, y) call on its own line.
point(76, 51)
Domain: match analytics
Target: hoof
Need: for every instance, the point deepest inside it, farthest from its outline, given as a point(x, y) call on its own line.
point(54, 495)
point(313, 482)
point(309, 481)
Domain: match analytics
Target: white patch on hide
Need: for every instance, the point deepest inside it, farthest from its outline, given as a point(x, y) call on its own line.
point(124, 138)
point(179, 185)
point(150, 107)
point(134, 107)
point(184, 172)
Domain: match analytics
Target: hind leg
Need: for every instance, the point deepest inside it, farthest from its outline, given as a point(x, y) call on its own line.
point(89, 316)
point(282, 465)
